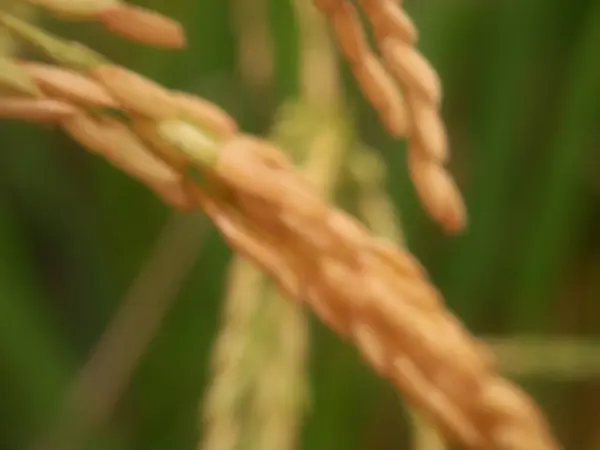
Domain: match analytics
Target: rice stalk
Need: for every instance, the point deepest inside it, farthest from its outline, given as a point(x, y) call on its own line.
point(370, 291)
point(259, 393)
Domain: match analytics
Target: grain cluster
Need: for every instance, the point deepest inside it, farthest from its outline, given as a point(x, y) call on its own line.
point(372, 293)
point(406, 92)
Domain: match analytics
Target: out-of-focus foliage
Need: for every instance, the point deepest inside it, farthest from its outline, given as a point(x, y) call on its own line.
point(522, 102)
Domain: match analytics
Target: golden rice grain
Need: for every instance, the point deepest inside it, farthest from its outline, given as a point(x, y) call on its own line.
point(132, 22)
point(136, 93)
point(35, 110)
point(379, 88)
point(348, 28)
point(414, 71)
point(428, 129)
point(69, 85)
point(205, 114)
point(143, 26)
point(439, 192)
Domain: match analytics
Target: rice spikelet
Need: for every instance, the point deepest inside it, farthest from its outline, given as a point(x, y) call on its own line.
point(406, 92)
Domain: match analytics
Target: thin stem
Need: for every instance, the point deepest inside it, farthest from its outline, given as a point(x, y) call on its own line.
point(100, 383)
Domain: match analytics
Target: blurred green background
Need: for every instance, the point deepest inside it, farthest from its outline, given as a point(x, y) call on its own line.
point(522, 103)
